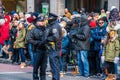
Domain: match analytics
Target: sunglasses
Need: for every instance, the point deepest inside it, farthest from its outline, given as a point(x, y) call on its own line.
point(101, 22)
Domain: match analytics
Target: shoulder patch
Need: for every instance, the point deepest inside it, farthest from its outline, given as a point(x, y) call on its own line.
point(54, 30)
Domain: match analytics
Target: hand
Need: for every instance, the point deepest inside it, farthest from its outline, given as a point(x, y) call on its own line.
point(75, 36)
point(102, 59)
point(102, 41)
point(73, 33)
point(42, 43)
point(116, 60)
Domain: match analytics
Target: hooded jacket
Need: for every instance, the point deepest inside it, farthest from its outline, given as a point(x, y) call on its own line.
point(83, 34)
point(36, 37)
point(111, 50)
point(98, 34)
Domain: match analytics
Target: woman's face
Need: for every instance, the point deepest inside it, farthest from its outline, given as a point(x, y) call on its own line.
point(15, 23)
point(20, 26)
point(102, 11)
point(96, 17)
point(101, 23)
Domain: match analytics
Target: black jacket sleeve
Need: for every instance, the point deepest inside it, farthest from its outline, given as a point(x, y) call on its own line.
point(83, 34)
point(32, 38)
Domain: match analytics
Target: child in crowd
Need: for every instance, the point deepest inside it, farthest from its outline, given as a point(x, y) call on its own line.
point(111, 52)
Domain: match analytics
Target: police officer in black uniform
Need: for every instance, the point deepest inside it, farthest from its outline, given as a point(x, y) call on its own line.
point(54, 33)
point(37, 39)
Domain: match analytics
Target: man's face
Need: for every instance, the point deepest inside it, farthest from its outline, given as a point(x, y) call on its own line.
point(40, 23)
point(89, 17)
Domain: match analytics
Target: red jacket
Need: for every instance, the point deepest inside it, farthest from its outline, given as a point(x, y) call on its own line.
point(1, 35)
point(6, 28)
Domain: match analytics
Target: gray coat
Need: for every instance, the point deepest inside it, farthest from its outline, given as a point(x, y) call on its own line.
point(83, 38)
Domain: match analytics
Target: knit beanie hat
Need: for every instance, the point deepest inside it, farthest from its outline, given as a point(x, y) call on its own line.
point(30, 19)
point(35, 14)
point(92, 24)
point(113, 7)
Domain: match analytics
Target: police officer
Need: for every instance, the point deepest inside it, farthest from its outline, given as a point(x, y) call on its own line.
point(53, 38)
point(36, 38)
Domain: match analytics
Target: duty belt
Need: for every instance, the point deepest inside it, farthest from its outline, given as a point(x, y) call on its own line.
point(52, 44)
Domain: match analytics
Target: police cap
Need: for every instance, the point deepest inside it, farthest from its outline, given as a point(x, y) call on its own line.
point(40, 18)
point(52, 16)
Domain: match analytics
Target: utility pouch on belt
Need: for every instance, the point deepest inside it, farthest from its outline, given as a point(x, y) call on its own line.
point(52, 45)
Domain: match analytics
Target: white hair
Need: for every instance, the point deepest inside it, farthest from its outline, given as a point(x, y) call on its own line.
point(2, 21)
point(27, 16)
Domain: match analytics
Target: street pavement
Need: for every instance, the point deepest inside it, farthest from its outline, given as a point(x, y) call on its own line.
point(14, 72)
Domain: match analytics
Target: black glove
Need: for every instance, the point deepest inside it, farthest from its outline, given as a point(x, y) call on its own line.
point(73, 33)
point(76, 35)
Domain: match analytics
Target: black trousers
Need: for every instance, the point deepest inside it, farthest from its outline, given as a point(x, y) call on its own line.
point(111, 67)
point(98, 68)
point(15, 56)
point(40, 64)
point(54, 63)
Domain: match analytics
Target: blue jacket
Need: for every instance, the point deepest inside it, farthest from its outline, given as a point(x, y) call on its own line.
point(65, 45)
point(98, 34)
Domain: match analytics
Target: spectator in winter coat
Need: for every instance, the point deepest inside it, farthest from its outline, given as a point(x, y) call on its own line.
point(103, 14)
point(92, 54)
point(111, 52)
point(6, 29)
point(82, 46)
point(96, 16)
point(64, 49)
point(21, 16)
point(72, 45)
point(30, 27)
point(98, 35)
point(13, 35)
point(20, 43)
point(82, 11)
point(114, 13)
point(114, 25)
point(67, 13)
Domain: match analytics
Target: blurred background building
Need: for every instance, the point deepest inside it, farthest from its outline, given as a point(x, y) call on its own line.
point(57, 6)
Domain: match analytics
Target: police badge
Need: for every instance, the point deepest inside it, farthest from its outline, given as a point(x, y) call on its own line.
point(54, 30)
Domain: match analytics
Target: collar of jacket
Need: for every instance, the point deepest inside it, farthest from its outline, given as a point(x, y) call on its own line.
point(41, 27)
point(83, 23)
